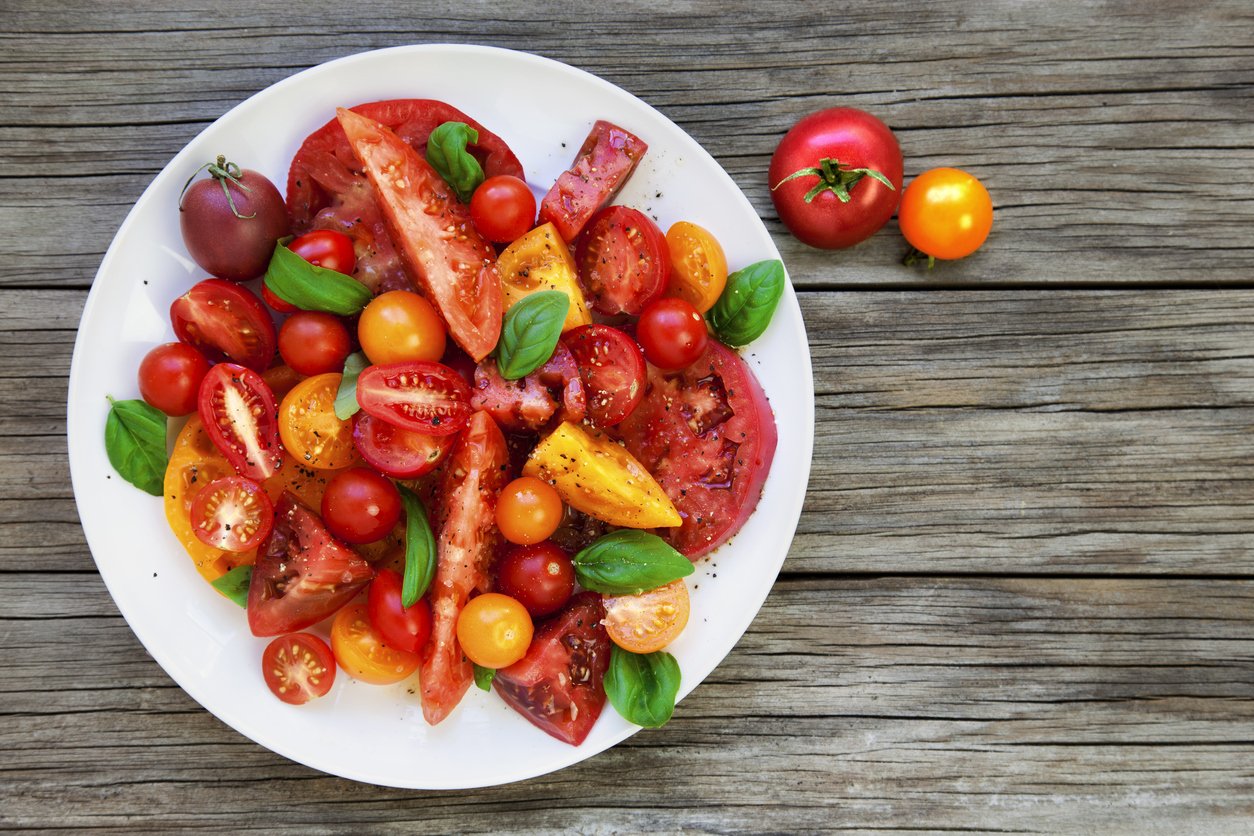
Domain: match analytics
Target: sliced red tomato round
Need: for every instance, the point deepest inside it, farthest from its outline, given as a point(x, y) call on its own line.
point(233, 514)
point(240, 416)
point(226, 322)
point(298, 668)
point(302, 574)
point(707, 434)
point(613, 370)
point(557, 685)
point(418, 396)
point(529, 403)
point(399, 453)
point(624, 263)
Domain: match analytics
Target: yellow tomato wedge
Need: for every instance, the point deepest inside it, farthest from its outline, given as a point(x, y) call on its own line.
point(540, 260)
point(600, 478)
point(650, 620)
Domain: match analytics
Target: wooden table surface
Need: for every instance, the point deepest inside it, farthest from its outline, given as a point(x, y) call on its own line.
point(1021, 597)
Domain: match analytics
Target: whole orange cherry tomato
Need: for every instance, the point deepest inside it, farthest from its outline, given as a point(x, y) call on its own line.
point(945, 213)
point(398, 326)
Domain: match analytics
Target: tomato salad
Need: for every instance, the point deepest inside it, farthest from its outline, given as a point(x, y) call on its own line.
point(485, 441)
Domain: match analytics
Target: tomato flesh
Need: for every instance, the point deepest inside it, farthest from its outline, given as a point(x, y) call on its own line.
point(311, 431)
point(613, 370)
point(530, 403)
point(623, 260)
point(419, 396)
point(233, 514)
point(238, 411)
point(226, 322)
point(650, 620)
point(602, 165)
point(396, 452)
point(298, 668)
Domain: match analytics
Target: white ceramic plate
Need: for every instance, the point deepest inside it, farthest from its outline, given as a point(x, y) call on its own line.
point(202, 640)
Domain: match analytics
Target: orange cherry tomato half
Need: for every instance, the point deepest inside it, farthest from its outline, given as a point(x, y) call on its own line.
point(298, 667)
point(362, 652)
point(310, 430)
point(698, 265)
point(494, 630)
point(649, 621)
point(945, 213)
point(398, 326)
point(528, 511)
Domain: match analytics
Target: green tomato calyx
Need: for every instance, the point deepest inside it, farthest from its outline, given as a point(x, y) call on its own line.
point(834, 178)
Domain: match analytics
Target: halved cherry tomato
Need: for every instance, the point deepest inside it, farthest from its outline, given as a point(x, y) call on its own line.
point(362, 651)
point(399, 453)
point(602, 165)
point(503, 208)
point(416, 396)
point(494, 630)
point(311, 431)
point(233, 514)
point(698, 265)
point(613, 371)
point(672, 333)
point(946, 213)
point(650, 620)
point(404, 628)
point(400, 325)
point(226, 322)
point(298, 668)
point(196, 462)
point(312, 342)
point(170, 376)
point(326, 248)
point(540, 260)
point(529, 404)
point(623, 260)
point(528, 511)
point(540, 575)
point(302, 574)
point(434, 234)
point(237, 408)
point(360, 506)
point(558, 685)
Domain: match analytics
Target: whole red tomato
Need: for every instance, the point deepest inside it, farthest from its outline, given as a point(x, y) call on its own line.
point(836, 177)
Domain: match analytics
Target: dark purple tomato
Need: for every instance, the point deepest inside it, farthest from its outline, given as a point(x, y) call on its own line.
point(231, 221)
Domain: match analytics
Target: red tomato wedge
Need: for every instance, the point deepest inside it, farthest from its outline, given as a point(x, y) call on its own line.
point(302, 574)
point(398, 453)
point(605, 160)
point(558, 686)
point(326, 189)
point(624, 262)
point(529, 403)
point(467, 535)
point(439, 245)
point(226, 322)
point(241, 418)
point(419, 396)
point(707, 434)
point(613, 371)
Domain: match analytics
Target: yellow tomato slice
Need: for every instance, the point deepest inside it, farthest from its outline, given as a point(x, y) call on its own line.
point(600, 478)
point(310, 430)
point(362, 653)
point(540, 260)
point(650, 620)
point(698, 265)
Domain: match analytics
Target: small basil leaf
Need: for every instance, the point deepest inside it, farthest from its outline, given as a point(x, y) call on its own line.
point(629, 561)
point(529, 335)
point(484, 677)
point(419, 549)
point(446, 151)
point(234, 584)
point(313, 288)
point(135, 439)
point(346, 405)
point(642, 687)
point(748, 302)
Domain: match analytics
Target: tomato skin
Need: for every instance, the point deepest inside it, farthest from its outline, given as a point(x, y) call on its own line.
point(855, 139)
point(238, 411)
point(613, 371)
point(416, 396)
point(557, 685)
point(233, 514)
point(540, 576)
point(360, 506)
point(275, 303)
point(528, 511)
point(326, 248)
point(946, 213)
point(503, 208)
point(494, 630)
point(398, 326)
point(672, 333)
point(541, 260)
point(623, 260)
point(363, 652)
point(405, 628)
point(601, 168)
point(224, 244)
point(312, 342)
point(396, 452)
point(170, 377)
point(226, 322)
point(649, 621)
point(298, 667)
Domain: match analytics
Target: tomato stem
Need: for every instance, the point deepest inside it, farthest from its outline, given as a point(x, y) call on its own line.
point(915, 254)
point(222, 171)
point(834, 178)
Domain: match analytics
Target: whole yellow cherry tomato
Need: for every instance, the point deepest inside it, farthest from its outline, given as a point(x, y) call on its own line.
point(945, 213)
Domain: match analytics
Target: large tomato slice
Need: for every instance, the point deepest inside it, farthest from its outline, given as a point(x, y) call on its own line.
point(605, 160)
point(327, 190)
point(529, 403)
point(419, 396)
point(707, 434)
point(474, 475)
point(240, 416)
point(302, 574)
point(624, 262)
point(226, 322)
point(452, 263)
point(558, 686)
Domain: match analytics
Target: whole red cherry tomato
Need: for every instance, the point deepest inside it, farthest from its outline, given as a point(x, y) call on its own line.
point(540, 576)
point(405, 628)
point(326, 248)
point(360, 506)
point(170, 376)
point(312, 342)
point(836, 177)
point(672, 333)
point(503, 208)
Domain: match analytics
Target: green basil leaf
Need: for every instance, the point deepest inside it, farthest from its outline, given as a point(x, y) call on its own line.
point(313, 288)
point(135, 439)
point(484, 677)
point(346, 405)
point(446, 151)
point(748, 302)
point(420, 551)
point(642, 687)
point(529, 335)
point(234, 584)
point(629, 561)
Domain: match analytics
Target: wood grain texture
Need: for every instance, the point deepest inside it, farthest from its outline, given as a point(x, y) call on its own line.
point(1021, 598)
